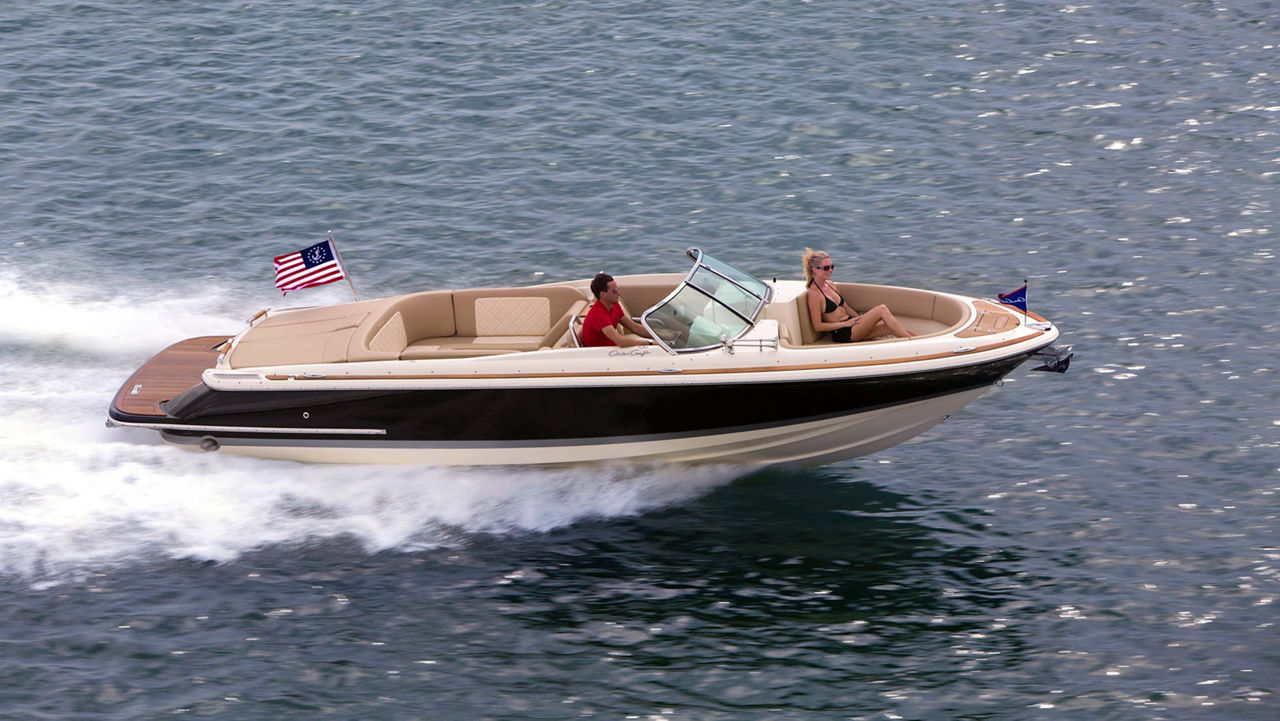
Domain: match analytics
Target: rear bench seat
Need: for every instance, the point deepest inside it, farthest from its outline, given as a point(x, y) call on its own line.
point(491, 321)
point(433, 324)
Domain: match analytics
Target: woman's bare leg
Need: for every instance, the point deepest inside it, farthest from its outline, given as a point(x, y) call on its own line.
point(878, 318)
point(895, 325)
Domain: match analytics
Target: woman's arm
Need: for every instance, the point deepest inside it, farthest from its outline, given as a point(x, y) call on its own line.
point(816, 301)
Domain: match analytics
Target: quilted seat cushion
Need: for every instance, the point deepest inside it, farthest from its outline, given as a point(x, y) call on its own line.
point(513, 316)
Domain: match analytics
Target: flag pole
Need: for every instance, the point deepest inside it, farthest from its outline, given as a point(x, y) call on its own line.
point(342, 263)
point(1026, 294)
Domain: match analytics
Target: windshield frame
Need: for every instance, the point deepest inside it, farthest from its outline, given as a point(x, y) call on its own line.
point(707, 267)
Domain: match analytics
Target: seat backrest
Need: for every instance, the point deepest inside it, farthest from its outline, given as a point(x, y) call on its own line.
point(903, 302)
point(808, 335)
point(511, 311)
point(400, 321)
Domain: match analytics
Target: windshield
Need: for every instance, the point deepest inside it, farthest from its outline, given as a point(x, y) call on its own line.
point(714, 303)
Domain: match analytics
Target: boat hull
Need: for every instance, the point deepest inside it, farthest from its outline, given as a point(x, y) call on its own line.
point(420, 379)
point(810, 421)
point(810, 442)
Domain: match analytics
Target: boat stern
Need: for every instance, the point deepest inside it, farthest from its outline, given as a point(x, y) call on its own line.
point(140, 401)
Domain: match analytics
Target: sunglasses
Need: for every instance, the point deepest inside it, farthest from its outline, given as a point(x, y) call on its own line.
point(828, 266)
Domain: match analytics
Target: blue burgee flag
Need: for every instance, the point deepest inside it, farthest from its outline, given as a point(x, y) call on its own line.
point(1017, 298)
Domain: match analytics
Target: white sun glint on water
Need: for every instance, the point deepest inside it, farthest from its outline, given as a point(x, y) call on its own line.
point(76, 497)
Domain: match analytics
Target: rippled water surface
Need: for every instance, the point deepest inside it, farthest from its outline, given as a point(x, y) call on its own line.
point(1097, 545)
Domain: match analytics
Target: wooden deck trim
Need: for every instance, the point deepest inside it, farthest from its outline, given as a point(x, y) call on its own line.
point(991, 318)
point(168, 373)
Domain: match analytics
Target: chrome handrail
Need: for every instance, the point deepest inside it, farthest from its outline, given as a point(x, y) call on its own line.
point(761, 343)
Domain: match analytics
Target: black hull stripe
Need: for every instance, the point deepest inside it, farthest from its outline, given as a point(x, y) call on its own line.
point(557, 416)
point(311, 441)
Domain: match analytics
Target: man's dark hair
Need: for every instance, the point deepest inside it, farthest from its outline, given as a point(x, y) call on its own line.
point(600, 283)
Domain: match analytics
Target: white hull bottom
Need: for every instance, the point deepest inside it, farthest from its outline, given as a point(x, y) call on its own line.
point(809, 443)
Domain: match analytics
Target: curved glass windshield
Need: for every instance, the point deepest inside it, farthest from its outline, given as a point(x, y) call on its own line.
point(715, 302)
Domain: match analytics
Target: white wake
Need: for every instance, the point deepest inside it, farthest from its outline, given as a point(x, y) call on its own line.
point(77, 497)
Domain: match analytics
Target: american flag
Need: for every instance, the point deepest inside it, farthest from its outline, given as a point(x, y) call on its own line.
point(316, 265)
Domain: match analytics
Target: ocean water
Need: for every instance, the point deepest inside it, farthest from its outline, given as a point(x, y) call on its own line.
point(1097, 545)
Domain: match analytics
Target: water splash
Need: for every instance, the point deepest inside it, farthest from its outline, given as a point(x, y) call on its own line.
point(65, 510)
point(87, 318)
point(76, 497)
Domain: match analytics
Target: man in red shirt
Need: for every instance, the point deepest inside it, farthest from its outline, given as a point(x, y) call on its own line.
point(600, 327)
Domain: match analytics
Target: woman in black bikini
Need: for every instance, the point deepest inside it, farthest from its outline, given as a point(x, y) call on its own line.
point(828, 310)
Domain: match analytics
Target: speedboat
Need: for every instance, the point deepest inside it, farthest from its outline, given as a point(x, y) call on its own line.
point(499, 376)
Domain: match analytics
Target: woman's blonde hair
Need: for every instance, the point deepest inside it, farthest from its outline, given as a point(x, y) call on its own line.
point(811, 255)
